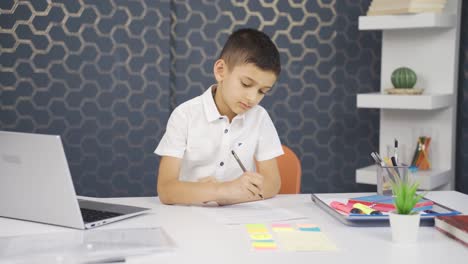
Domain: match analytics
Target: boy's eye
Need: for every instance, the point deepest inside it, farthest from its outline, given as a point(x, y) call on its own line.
point(263, 91)
point(244, 84)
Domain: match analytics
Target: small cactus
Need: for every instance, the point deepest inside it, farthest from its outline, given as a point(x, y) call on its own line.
point(403, 78)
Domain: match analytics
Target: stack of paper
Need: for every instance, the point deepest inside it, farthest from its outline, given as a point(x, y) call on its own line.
point(247, 213)
point(392, 7)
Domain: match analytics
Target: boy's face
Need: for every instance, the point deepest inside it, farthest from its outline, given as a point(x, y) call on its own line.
point(241, 88)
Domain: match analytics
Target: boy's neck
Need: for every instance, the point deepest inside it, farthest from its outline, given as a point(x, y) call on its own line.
point(222, 107)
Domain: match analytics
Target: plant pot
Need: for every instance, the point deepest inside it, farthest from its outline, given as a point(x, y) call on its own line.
point(404, 227)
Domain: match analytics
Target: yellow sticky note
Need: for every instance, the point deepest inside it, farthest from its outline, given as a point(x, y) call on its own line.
point(261, 236)
point(264, 245)
point(305, 241)
point(256, 228)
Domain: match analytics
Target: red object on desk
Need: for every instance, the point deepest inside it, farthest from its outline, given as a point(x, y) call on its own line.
point(341, 207)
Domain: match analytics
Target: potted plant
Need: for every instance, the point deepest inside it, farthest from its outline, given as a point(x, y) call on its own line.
point(404, 221)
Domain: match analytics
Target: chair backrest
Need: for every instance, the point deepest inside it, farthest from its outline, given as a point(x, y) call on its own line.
point(290, 171)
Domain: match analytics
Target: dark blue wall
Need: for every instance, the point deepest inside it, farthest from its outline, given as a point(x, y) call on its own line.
point(105, 75)
point(462, 115)
point(98, 75)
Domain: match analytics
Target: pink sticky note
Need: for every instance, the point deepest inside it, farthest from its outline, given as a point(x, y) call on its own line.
point(280, 225)
point(265, 248)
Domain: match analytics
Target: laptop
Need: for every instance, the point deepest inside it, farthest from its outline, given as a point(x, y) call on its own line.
point(36, 185)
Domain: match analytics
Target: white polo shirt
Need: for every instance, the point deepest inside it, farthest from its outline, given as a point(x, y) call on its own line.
point(198, 134)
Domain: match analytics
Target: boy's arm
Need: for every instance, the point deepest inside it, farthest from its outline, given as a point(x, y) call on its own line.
point(173, 191)
point(271, 177)
point(267, 183)
point(243, 189)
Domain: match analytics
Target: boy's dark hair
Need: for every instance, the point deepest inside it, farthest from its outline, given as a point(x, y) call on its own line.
point(251, 46)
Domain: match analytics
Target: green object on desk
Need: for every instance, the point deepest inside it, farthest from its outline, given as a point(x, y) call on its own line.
point(405, 195)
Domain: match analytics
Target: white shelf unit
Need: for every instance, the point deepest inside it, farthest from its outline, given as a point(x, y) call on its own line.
point(428, 43)
point(421, 102)
point(406, 21)
point(429, 180)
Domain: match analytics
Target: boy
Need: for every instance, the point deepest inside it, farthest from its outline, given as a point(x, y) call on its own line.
point(197, 164)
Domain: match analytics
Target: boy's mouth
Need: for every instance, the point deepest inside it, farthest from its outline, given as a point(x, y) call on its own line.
point(245, 106)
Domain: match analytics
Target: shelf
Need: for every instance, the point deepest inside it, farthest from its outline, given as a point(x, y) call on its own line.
point(407, 21)
point(422, 102)
point(429, 180)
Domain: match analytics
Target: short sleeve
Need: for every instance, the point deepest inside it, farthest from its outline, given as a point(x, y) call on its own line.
point(174, 141)
point(269, 145)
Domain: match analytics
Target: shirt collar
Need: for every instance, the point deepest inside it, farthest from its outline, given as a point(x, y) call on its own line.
point(209, 105)
point(211, 111)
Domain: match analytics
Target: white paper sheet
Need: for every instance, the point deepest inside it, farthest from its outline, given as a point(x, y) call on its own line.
point(246, 213)
point(84, 246)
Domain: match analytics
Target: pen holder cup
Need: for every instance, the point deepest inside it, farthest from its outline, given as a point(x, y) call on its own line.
point(386, 174)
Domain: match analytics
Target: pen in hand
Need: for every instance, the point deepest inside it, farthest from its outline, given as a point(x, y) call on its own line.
point(242, 167)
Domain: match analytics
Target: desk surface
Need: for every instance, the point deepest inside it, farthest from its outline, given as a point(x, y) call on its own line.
point(200, 239)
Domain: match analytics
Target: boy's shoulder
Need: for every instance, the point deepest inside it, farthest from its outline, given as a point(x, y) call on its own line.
point(189, 105)
point(258, 111)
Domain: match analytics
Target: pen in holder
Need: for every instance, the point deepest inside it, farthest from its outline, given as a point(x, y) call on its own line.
point(386, 174)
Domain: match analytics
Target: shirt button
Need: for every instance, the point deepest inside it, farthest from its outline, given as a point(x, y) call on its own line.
point(225, 131)
point(221, 163)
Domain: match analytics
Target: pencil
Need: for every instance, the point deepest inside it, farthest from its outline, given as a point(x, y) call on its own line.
point(242, 167)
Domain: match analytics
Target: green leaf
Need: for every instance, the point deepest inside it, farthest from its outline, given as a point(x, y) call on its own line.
point(405, 193)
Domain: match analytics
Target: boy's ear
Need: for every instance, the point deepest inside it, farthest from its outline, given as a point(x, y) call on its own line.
point(219, 70)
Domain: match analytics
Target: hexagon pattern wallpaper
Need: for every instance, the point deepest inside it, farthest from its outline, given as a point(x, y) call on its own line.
point(105, 76)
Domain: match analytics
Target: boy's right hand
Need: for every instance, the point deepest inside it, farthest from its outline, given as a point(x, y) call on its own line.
point(248, 187)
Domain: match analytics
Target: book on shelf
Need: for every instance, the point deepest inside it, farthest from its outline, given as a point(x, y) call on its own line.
point(455, 227)
point(403, 11)
point(389, 2)
point(386, 203)
point(383, 7)
point(375, 6)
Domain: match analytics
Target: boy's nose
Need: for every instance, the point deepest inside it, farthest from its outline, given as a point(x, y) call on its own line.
point(251, 96)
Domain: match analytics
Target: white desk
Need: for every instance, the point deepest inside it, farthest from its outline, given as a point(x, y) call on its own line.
point(202, 240)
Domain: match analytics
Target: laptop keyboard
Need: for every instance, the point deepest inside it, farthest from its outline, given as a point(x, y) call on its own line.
point(90, 215)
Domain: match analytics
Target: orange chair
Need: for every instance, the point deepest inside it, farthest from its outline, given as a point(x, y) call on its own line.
point(290, 171)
